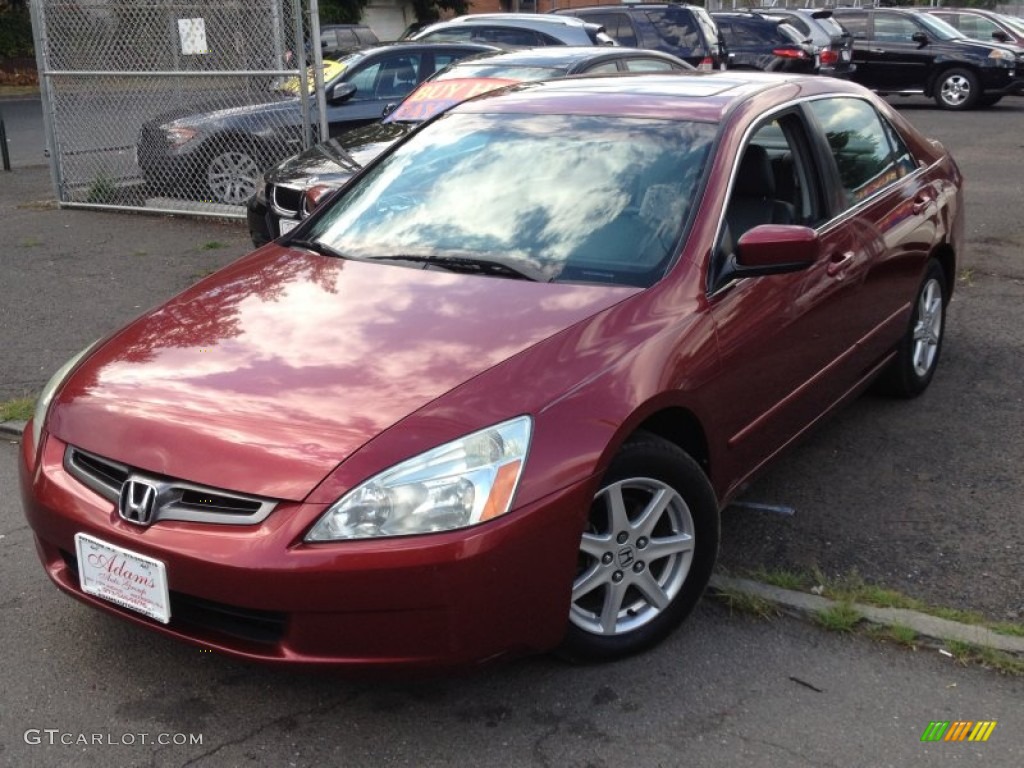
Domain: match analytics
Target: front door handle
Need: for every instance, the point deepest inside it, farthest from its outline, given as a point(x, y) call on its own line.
point(921, 202)
point(838, 262)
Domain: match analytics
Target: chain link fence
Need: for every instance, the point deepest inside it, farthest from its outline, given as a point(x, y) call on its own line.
point(175, 105)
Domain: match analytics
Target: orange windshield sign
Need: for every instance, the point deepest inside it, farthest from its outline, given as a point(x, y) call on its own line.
point(433, 97)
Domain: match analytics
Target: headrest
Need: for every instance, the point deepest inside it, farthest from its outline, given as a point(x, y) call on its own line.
point(755, 177)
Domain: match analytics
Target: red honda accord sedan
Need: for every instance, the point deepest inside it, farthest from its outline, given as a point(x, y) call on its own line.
point(491, 398)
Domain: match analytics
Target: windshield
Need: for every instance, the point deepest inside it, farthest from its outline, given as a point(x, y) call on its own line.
point(558, 197)
point(941, 29)
point(1014, 23)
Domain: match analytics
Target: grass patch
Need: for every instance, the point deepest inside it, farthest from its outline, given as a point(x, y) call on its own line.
point(851, 588)
point(902, 635)
point(197, 276)
point(213, 245)
point(102, 190)
point(783, 579)
point(17, 409)
point(29, 242)
point(1006, 628)
point(751, 605)
point(966, 276)
point(842, 617)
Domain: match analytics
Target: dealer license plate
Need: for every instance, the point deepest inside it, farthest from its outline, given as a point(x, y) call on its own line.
point(287, 225)
point(123, 577)
point(845, 54)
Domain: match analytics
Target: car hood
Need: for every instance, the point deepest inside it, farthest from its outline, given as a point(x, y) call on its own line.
point(336, 160)
point(214, 117)
point(266, 375)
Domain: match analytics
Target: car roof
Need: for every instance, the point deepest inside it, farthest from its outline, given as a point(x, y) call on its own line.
point(700, 96)
point(422, 46)
point(520, 18)
point(558, 55)
point(631, 6)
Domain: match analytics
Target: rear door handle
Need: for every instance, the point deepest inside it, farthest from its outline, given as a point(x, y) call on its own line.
point(838, 262)
point(921, 202)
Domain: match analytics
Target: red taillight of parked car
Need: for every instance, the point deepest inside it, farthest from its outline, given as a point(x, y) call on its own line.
point(790, 53)
point(829, 57)
point(707, 64)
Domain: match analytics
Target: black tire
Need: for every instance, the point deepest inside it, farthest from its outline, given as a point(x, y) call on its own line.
point(624, 602)
point(917, 357)
point(989, 100)
point(957, 89)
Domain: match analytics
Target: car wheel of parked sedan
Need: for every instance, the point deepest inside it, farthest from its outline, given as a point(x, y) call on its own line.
point(911, 371)
point(646, 554)
point(957, 89)
point(232, 175)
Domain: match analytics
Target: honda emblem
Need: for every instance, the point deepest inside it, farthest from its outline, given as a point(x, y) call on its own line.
point(137, 502)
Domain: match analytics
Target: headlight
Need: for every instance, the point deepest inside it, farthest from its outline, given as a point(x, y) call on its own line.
point(178, 135)
point(459, 484)
point(43, 403)
point(1000, 55)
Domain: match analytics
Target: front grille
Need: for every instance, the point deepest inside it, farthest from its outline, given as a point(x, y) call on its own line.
point(175, 499)
point(264, 627)
point(287, 200)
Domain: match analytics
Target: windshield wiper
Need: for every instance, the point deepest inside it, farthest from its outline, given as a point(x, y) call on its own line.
point(472, 265)
point(317, 247)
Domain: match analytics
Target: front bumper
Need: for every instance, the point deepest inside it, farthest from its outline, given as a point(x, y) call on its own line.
point(259, 593)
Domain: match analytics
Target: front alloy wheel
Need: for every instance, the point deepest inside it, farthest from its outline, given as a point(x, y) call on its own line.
point(646, 554)
point(232, 176)
point(957, 89)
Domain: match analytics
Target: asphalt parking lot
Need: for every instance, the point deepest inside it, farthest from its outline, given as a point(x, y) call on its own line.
point(921, 496)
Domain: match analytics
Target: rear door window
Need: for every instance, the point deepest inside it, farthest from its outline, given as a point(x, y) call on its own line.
point(618, 25)
point(676, 29)
point(862, 145)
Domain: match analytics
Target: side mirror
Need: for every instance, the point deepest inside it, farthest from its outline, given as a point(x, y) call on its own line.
point(772, 249)
point(388, 109)
point(340, 93)
point(313, 196)
point(920, 38)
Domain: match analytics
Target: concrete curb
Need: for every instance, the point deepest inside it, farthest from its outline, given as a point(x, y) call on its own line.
point(12, 428)
point(931, 629)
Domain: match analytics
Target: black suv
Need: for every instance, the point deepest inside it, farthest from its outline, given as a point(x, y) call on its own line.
point(685, 31)
point(899, 51)
point(758, 41)
point(833, 45)
point(336, 39)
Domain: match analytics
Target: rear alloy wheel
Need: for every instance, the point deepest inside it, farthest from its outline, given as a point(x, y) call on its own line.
point(911, 371)
point(232, 175)
point(646, 555)
point(957, 89)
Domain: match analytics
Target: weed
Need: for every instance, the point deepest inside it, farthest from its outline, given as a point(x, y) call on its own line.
point(751, 605)
point(29, 242)
point(17, 409)
point(102, 190)
point(213, 245)
point(842, 617)
point(781, 578)
point(1006, 628)
point(903, 635)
